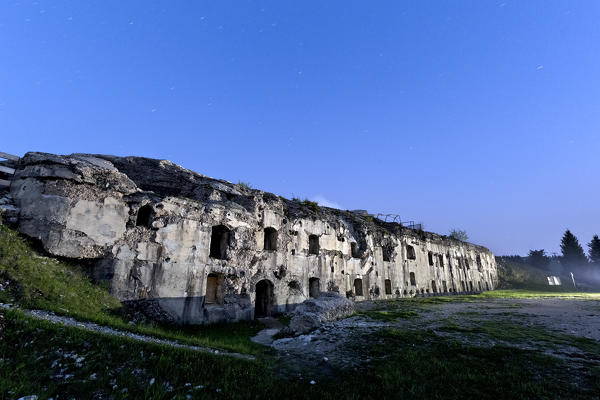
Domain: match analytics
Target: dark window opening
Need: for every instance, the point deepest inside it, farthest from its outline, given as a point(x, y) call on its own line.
point(487, 286)
point(144, 216)
point(479, 264)
point(270, 239)
point(358, 287)
point(467, 263)
point(313, 244)
point(433, 287)
point(471, 285)
point(430, 256)
point(405, 292)
point(214, 289)
point(444, 287)
point(219, 242)
point(410, 253)
point(441, 258)
point(354, 250)
point(388, 286)
point(413, 281)
point(293, 252)
point(313, 287)
point(294, 287)
point(387, 254)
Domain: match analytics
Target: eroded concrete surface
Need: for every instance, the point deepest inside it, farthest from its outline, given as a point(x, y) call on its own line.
point(343, 344)
point(182, 247)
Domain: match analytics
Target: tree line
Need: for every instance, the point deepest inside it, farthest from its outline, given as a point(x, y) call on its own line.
point(572, 256)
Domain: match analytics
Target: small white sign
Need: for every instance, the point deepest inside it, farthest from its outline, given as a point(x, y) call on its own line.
point(554, 281)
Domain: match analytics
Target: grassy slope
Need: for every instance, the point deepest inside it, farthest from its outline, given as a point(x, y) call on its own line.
point(45, 283)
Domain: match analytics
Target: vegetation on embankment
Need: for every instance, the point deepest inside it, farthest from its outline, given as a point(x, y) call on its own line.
point(520, 275)
point(34, 281)
point(38, 282)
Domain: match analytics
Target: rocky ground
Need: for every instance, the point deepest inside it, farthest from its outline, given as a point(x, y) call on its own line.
point(560, 327)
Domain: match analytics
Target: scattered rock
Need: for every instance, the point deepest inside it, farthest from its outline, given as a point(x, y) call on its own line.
point(309, 315)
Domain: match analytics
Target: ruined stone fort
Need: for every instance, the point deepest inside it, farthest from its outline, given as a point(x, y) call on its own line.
point(183, 247)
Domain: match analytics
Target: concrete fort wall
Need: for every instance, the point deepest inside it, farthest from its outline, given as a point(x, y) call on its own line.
point(183, 247)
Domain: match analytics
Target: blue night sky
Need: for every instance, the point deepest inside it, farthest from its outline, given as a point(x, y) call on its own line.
point(478, 115)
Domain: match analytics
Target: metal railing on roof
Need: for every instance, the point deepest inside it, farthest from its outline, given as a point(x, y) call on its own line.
point(396, 218)
point(7, 170)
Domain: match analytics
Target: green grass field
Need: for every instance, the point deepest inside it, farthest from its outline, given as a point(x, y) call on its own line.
point(39, 358)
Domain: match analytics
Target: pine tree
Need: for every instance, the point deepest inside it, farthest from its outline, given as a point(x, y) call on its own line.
point(538, 258)
point(572, 252)
point(594, 253)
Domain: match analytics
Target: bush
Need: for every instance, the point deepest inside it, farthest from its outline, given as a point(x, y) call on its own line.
point(245, 185)
point(459, 234)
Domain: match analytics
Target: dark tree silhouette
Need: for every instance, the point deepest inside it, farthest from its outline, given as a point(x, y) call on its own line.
point(594, 247)
point(572, 252)
point(538, 258)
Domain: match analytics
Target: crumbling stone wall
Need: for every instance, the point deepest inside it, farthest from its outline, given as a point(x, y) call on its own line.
point(149, 226)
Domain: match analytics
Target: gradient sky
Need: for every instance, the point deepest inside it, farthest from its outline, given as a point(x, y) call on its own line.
point(478, 115)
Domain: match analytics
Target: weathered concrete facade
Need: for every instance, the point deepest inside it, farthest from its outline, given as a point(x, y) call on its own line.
point(191, 249)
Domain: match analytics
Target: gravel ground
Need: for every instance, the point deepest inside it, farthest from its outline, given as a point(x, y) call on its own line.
point(337, 345)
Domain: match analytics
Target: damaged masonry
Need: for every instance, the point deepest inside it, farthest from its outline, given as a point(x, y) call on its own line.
point(182, 247)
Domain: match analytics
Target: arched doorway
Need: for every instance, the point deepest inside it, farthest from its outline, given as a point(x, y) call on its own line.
point(358, 287)
point(263, 304)
point(313, 287)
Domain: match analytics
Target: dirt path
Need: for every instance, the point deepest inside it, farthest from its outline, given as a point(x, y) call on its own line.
point(272, 327)
point(92, 327)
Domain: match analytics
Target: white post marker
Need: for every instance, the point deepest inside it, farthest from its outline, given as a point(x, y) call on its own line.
point(573, 278)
